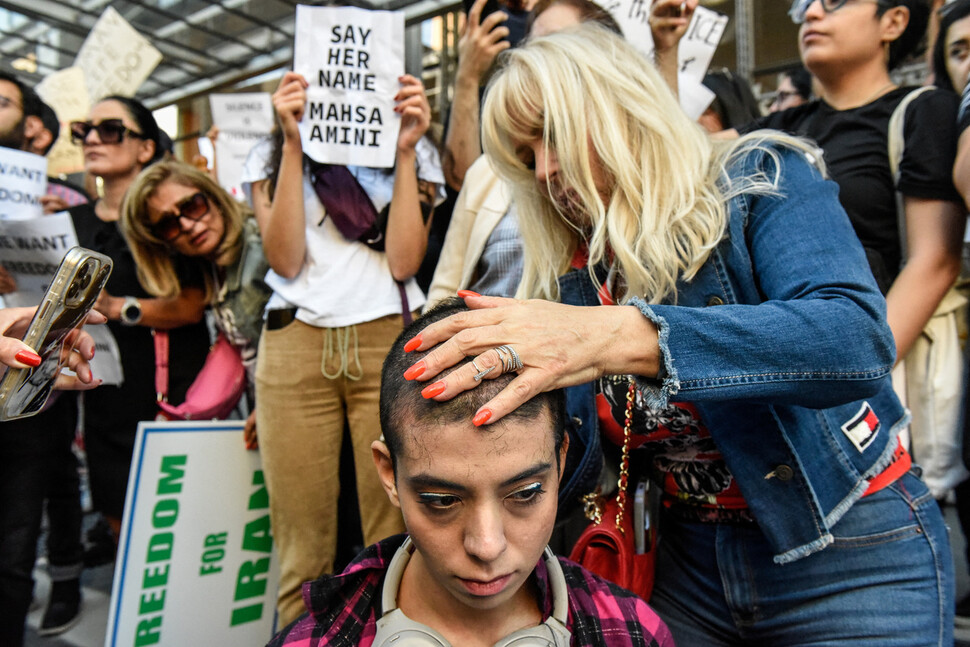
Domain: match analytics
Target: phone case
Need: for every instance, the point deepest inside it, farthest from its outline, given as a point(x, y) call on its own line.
point(71, 295)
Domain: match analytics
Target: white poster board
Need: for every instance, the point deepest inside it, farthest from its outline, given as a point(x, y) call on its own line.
point(195, 562)
point(31, 250)
point(694, 57)
point(694, 52)
point(23, 181)
point(352, 59)
point(67, 94)
point(243, 120)
point(106, 363)
point(115, 58)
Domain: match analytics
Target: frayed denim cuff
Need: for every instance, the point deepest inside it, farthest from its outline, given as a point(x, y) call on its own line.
point(657, 391)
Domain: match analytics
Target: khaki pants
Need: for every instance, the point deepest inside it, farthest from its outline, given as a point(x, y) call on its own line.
point(300, 421)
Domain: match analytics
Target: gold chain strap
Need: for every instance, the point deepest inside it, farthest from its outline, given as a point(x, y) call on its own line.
point(593, 502)
point(625, 460)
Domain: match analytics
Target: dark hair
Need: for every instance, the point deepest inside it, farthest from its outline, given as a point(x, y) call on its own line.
point(403, 408)
point(949, 14)
point(910, 42)
point(588, 10)
point(801, 80)
point(51, 123)
point(143, 117)
point(734, 101)
point(28, 98)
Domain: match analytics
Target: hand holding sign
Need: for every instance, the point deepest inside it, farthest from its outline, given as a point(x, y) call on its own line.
point(412, 105)
point(668, 23)
point(289, 101)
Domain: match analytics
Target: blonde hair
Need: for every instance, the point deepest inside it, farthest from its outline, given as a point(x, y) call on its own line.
point(154, 258)
point(583, 91)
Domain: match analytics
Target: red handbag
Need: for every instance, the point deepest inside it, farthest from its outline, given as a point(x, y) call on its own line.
point(607, 547)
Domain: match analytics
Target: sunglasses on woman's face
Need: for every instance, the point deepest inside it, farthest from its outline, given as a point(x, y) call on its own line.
point(110, 131)
point(169, 226)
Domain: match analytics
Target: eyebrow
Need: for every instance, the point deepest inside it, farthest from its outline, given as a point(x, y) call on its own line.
point(428, 481)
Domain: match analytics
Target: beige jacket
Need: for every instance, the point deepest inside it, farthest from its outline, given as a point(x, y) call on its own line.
point(483, 200)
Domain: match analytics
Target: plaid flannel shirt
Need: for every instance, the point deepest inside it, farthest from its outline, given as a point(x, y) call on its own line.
point(343, 609)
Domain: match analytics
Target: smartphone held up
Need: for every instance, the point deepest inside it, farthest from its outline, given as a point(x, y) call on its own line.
point(70, 296)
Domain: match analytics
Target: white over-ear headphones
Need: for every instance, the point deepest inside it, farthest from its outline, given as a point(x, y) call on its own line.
point(394, 629)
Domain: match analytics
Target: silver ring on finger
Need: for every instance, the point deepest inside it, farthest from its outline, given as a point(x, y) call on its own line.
point(481, 373)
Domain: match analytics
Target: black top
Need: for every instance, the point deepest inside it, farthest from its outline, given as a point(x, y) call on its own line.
point(188, 345)
point(855, 144)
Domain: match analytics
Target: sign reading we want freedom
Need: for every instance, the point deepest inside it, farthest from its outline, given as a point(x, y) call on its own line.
point(351, 59)
point(195, 563)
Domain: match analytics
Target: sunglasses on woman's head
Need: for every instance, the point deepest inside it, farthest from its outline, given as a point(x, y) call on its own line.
point(800, 7)
point(169, 226)
point(110, 131)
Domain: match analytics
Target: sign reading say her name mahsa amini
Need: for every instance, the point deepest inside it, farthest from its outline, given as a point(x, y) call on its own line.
point(352, 59)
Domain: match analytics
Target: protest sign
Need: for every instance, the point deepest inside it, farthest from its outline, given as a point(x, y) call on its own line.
point(106, 363)
point(67, 94)
point(115, 58)
point(195, 562)
point(694, 52)
point(633, 17)
point(352, 59)
point(242, 119)
point(23, 181)
point(698, 44)
point(31, 250)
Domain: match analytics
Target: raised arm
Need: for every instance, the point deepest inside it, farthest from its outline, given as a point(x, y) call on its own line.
point(407, 233)
point(479, 44)
point(668, 24)
point(282, 220)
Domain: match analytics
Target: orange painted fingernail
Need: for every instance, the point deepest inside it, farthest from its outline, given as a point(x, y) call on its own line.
point(482, 417)
point(414, 343)
point(28, 358)
point(433, 389)
point(415, 371)
point(468, 293)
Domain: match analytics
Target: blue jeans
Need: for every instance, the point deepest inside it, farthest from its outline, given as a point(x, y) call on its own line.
point(886, 581)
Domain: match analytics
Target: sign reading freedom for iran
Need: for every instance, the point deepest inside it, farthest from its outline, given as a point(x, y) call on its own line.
point(351, 59)
point(195, 563)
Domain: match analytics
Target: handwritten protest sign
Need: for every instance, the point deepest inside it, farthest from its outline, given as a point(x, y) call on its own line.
point(352, 59)
point(698, 44)
point(23, 180)
point(115, 58)
point(31, 250)
point(243, 119)
point(694, 52)
point(67, 94)
point(195, 563)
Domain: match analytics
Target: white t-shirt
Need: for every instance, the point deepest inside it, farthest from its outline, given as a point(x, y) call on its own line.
point(342, 282)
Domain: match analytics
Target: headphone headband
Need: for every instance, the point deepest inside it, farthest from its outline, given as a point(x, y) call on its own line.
point(396, 628)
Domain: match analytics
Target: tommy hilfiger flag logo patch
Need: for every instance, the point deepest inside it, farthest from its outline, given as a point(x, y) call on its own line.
point(862, 428)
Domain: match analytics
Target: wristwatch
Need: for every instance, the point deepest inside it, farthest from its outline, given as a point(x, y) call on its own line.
point(131, 311)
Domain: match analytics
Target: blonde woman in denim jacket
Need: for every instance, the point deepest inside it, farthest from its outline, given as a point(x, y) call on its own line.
point(755, 336)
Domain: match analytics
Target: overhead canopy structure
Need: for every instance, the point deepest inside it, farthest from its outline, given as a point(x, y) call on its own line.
point(204, 44)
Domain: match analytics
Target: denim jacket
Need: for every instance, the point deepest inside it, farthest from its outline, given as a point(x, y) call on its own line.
point(781, 342)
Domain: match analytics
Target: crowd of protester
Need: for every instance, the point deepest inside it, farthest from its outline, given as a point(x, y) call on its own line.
point(772, 271)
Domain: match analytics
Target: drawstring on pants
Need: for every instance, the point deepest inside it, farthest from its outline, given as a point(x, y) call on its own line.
point(342, 351)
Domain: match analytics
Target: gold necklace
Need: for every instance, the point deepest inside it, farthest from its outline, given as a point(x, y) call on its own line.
point(878, 93)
